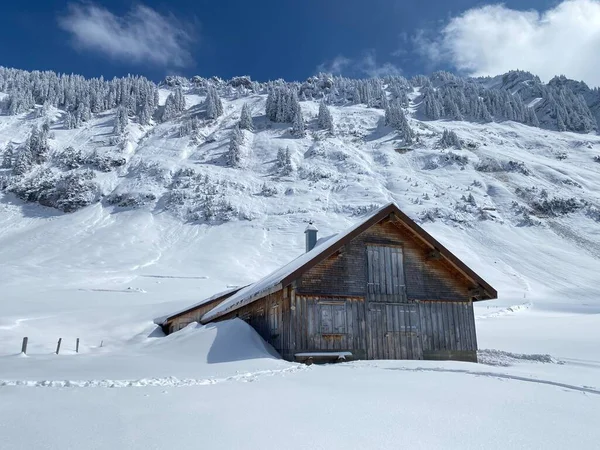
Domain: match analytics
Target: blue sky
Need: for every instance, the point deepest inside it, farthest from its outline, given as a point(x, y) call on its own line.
point(294, 39)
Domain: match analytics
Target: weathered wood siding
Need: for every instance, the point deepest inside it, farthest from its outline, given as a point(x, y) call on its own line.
point(394, 331)
point(345, 272)
point(195, 315)
point(385, 274)
point(448, 330)
point(266, 316)
point(325, 323)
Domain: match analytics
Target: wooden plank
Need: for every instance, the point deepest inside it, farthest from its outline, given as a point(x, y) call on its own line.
point(378, 282)
point(369, 271)
point(395, 337)
point(472, 326)
point(460, 326)
point(387, 267)
point(445, 325)
point(451, 329)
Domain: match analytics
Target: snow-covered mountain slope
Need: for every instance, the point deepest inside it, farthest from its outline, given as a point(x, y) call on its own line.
point(168, 221)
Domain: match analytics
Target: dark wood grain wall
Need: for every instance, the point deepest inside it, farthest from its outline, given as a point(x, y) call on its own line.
point(448, 330)
point(426, 277)
point(311, 331)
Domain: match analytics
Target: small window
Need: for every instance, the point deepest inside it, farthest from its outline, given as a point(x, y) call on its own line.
point(333, 318)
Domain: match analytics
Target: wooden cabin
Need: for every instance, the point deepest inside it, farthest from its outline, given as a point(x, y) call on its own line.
point(384, 289)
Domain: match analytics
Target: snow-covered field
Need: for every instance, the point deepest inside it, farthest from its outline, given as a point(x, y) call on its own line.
point(103, 273)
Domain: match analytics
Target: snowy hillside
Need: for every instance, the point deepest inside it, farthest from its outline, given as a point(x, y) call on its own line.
point(121, 208)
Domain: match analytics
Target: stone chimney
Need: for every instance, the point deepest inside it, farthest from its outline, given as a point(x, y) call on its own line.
point(311, 236)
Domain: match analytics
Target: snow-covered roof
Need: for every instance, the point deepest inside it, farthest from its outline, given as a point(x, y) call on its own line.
point(271, 282)
point(325, 247)
point(163, 319)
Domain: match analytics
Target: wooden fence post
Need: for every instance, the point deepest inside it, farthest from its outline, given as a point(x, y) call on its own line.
point(58, 345)
point(77, 346)
point(24, 345)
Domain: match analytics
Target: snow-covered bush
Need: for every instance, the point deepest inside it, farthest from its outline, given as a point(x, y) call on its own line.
point(450, 139)
point(556, 206)
point(491, 165)
point(70, 158)
point(268, 190)
point(104, 162)
point(131, 200)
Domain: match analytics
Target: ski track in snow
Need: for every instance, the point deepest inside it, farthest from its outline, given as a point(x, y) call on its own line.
point(502, 376)
point(150, 382)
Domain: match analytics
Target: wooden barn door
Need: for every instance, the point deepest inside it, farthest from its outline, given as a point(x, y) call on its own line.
point(393, 323)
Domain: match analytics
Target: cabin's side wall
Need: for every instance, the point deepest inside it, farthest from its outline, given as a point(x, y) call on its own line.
point(448, 330)
point(325, 323)
point(266, 316)
point(194, 315)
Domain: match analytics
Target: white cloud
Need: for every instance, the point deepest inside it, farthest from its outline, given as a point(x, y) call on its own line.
point(365, 65)
point(494, 39)
point(141, 36)
point(336, 66)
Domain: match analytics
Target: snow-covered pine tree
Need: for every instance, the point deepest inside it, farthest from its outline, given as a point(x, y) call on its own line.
point(121, 120)
point(284, 161)
point(394, 117)
point(282, 104)
point(174, 105)
point(214, 106)
point(246, 118)
point(324, 120)
point(298, 127)
point(234, 154)
point(8, 156)
point(70, 121)
point(37, 145)
point(23, 161)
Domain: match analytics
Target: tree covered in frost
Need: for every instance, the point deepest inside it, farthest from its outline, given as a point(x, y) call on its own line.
point(450, 139)
point(37, 144)
point(174, 104)
point(246, 118)
point(76, 94)
point(121, 120)
point(298, 127)
point(23, 161)
point(234, 153)
point(282, 104)
point(394, 117)
point(189, 126)
point(284, 161)
point(324, 119)
point(7, 157)
point(214, 106)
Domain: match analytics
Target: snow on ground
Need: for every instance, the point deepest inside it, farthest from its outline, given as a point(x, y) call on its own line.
point(102, 274)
